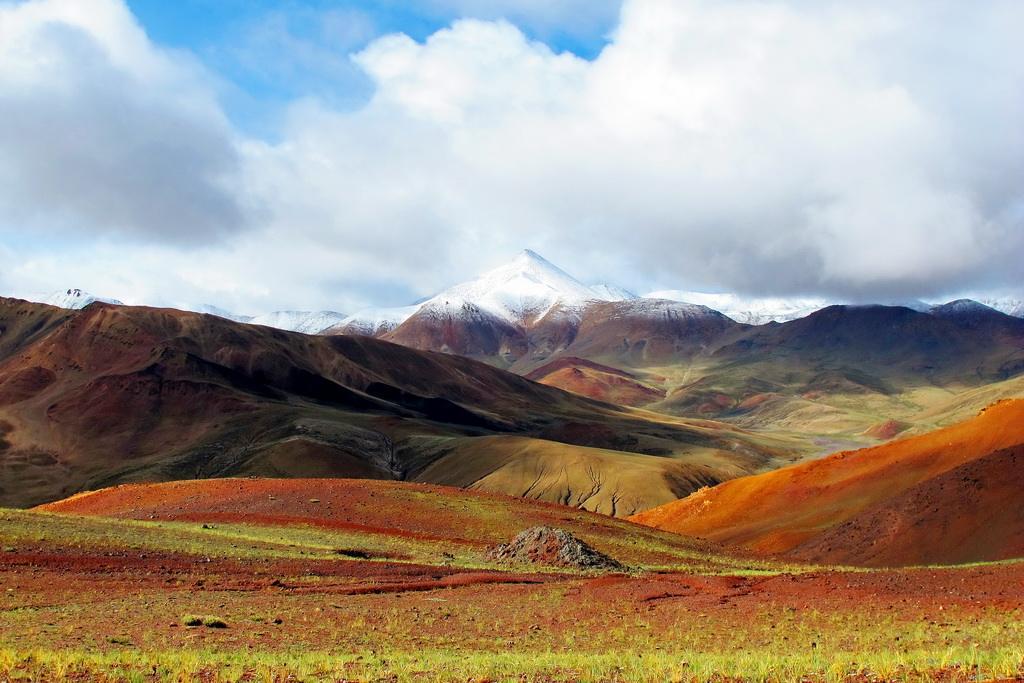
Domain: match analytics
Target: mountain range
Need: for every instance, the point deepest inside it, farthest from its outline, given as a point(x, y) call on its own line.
point(110, 394)
point(838, 375)
point(519, 292)
point(528, 383)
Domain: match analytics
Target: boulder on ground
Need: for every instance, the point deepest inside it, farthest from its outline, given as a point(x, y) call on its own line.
point(548, 546)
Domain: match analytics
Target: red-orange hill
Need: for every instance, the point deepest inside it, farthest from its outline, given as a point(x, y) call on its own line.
point(363, 505)
point(405, 510)
point(952, 495)
point(602, 382)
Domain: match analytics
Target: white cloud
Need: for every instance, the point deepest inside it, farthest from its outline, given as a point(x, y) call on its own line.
point(861, 150)
point(779, 146)
point(103, 133)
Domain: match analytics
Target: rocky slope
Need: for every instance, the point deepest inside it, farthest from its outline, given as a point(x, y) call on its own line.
point(116, 393)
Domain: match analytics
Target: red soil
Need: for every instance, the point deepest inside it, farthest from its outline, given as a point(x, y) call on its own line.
point(971, 512)
point(126, 571)
point(887, 430)
point(569, 362)
point(451, 516)
point(715, 404)
point(798, 509)
point(755, 401)
point(51, 573)
point(80, 596)
point(171, 584)
point(597, 381)
point(363, 505)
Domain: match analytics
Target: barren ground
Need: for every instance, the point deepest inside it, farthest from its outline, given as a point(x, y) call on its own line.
point(403, 591)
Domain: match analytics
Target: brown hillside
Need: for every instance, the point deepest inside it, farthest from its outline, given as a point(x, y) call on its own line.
point(799, 509)
point(113, 393)
point(597, 381)
point(970, 513)
point(396, 509)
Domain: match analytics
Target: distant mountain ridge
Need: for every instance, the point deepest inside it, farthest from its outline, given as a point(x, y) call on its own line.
point(529, 311)
point(751, 311)
point(210, 309)
point(373, 322)
point(306, 322)
point(527, 292)
point(110, 393)
point(75, 299)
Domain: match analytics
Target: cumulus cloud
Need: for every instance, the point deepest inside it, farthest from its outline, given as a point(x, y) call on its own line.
point(102, 133)
point(856, 150)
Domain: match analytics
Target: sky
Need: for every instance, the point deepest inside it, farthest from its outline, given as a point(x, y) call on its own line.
point(341, 154)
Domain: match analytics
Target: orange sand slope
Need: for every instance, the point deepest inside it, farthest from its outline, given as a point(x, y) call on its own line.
point(953, 495)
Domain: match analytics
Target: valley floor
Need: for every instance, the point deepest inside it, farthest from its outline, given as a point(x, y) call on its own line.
point(325, 598)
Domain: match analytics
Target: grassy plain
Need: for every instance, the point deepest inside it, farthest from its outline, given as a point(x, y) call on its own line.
point(318, 595)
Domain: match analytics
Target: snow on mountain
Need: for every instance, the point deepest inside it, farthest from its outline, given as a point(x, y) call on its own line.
point(210, 309)
point(961, 307)
point(522, 291)
point(519, 292)
point(1006, 304)
point(75, 299)
point(607, 292)
point(651, 307)
point(525, 290)
point(752, 311)
point(306, 322)
point(373, 322)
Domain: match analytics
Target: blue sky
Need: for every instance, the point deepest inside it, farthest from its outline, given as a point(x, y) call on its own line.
point(272, 52)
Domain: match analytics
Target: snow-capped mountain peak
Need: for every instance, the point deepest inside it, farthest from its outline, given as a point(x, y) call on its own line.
point(752, 311)
point(961, 307)
point(76, 299)
point(375, 321)
point(524, 289)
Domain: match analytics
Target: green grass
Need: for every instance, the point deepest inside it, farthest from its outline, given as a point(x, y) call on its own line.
point(208, 621)
point(220, 540)
point(568, 630)
point(649, 550)
point(832, 416)
point(430, 666)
